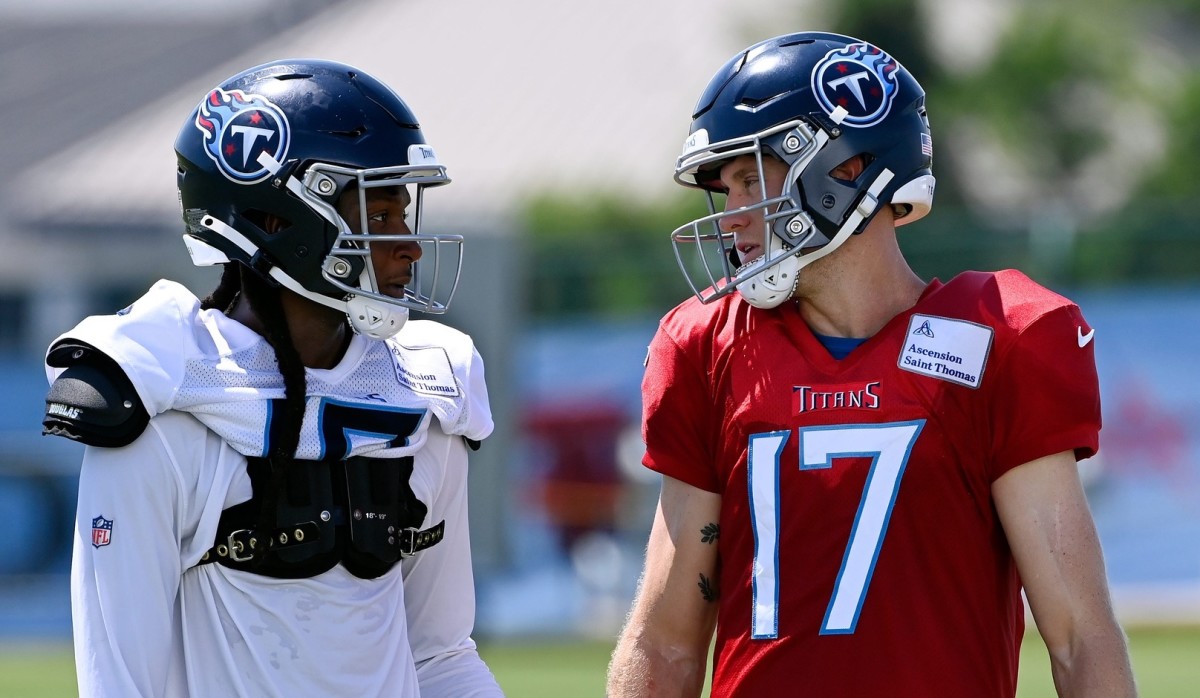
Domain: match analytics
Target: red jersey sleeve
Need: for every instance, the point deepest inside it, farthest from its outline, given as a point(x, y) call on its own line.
point(677, 411)
point(1047, 397)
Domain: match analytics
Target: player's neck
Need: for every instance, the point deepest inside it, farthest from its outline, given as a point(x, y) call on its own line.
point(319, 334)
point(858, 289)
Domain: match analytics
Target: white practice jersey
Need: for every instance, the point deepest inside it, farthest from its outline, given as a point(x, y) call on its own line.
point(149, 622)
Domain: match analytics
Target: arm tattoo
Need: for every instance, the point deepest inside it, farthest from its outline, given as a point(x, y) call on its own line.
point(710, 533)
point(707, 589)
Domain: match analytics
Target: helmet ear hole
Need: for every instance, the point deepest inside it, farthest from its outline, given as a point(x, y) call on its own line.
point(852, 168)
point(269, 223)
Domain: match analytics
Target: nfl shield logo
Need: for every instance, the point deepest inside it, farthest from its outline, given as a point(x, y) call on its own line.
point(101, 531)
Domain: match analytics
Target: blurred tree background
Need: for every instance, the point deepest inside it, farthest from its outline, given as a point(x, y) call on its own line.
point(1066, 138)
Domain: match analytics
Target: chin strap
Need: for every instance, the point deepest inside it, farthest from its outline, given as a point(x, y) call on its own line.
point(866, 206)
point(375, 320)
point(767, 293)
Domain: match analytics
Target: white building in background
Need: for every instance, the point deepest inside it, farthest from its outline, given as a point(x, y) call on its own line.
point(517, 97)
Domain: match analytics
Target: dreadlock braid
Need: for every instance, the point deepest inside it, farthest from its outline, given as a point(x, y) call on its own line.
point(264, 301)
point(226, 292)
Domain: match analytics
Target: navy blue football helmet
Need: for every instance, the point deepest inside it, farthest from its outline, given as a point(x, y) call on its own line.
point(282, 141)
point(813, 100)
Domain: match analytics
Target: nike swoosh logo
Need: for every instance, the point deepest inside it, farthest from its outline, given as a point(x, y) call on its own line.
point(1084, 338)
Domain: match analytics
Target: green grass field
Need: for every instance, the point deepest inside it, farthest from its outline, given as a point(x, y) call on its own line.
point(1166, 661)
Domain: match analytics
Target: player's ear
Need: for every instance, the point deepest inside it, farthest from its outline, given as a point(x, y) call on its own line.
point(849, 170)
point(273, 224)
point(269, 223)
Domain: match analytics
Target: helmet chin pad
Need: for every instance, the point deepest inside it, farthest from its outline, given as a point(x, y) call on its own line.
point(772, 286)
point(374, 319)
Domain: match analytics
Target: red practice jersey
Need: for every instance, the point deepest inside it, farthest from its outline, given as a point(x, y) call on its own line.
point(860, 551)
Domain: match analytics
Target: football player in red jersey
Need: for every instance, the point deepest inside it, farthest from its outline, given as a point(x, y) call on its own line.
point(861, 469)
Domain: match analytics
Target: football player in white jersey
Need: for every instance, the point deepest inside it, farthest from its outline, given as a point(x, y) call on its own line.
point(273, 497)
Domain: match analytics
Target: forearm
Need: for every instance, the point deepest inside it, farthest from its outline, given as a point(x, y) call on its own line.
point(1095, 666)
point(642, 667)
point(663, 650)
point(1050, 531)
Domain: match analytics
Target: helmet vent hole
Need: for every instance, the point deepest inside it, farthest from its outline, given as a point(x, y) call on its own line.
point(753, 102)
point(355, 132)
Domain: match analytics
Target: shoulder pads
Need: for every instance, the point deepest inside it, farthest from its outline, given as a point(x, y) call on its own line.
point(92, 401)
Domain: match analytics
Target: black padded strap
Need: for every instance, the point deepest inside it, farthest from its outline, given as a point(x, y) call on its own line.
point(92, 401)
point(360, 512)
point(412, 541)
point(308, 536)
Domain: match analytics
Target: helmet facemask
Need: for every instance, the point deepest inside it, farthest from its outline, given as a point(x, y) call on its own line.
point(347, 264)
point(814, 101)
point(791, 238)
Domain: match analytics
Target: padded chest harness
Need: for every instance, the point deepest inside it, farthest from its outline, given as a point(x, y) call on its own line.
point(360, 512)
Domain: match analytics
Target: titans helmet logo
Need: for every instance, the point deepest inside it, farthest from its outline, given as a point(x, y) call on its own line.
point(861, 79)
point(238, 128)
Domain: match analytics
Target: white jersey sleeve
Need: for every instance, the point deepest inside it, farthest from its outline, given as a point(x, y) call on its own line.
point(439, 588)
point(460, 674)
point(441, 362)
point(482, 424)
point(126, 568)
